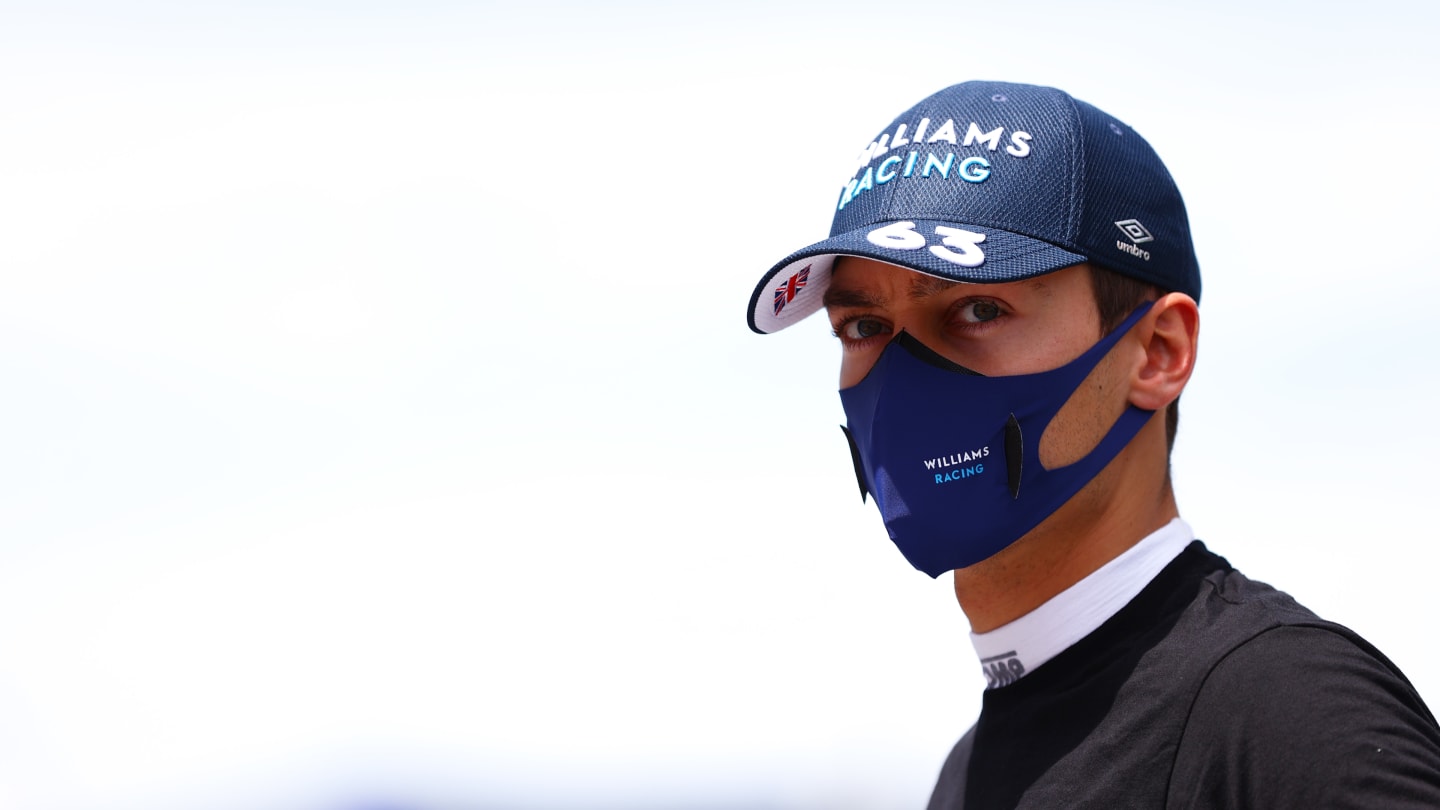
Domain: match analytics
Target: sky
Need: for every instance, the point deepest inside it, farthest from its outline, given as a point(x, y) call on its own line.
point(381, 429)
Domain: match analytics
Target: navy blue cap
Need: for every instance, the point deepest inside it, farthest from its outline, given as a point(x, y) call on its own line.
point(988, 182)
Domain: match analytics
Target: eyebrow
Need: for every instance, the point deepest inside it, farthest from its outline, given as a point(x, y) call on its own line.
point(847, 298)
point(921, 287)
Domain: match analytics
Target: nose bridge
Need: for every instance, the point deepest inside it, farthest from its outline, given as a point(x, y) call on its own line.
point(923, 352)
point(855, 367)
point(891, 288)
point(904, 320)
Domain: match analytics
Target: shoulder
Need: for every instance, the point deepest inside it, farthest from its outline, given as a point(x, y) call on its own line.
point(1306, 715)
point(950, 787)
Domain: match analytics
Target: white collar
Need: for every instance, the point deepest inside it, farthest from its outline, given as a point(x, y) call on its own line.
point(1011, 650)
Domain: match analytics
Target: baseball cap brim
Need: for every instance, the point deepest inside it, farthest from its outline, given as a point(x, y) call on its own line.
point(795, 287)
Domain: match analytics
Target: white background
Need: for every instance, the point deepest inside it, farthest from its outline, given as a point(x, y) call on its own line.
point(380, 427)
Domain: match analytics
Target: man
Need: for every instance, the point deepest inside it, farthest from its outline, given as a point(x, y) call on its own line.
point(1011, 278)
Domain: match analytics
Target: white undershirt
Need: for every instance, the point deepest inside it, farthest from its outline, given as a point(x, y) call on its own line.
point(1011, 650)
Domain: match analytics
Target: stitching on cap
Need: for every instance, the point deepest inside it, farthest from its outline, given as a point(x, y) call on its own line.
point(1077, 180)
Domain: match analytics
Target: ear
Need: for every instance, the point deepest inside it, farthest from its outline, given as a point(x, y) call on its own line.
point(1170, 334)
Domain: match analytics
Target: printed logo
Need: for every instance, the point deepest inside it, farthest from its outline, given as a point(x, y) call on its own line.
point(1002, 669)
point(1133, 229)
point(958, 466)
point(1137, 235)
point(931, 153)
point(903, 236)
point(786, 292)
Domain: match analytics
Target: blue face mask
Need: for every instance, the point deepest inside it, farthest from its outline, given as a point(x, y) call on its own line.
point(953, 457)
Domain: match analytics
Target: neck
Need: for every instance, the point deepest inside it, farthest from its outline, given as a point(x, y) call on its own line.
point(1119, 507)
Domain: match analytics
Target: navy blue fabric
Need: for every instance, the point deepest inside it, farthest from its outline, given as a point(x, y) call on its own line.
point(932, 445)
point(1008, 257)
point(1124, 179)
point(1030, 195)
point(1047, 180)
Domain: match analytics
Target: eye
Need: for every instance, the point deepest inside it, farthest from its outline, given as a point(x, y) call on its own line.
point(979, 311)
point(854, 330)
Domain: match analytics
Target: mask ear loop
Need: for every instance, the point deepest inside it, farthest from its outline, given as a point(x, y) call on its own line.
point(1129, 423)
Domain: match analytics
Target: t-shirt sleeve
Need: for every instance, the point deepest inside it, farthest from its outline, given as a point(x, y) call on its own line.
point(1304, 717)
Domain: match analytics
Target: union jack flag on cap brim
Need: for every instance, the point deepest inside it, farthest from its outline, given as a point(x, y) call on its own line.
point(786, 292)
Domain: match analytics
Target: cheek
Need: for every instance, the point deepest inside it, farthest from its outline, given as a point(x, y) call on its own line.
point(854, 365)
point(1086, 417)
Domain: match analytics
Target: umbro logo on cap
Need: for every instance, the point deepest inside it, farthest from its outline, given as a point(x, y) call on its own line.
point(1133, 229)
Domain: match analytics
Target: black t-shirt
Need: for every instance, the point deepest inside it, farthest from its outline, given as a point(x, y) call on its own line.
point(1207, 690)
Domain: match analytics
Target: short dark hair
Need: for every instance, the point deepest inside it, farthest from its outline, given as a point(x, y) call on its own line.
point(1117, 296)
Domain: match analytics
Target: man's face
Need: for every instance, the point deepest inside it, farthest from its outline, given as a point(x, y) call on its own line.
point(1018, 327)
